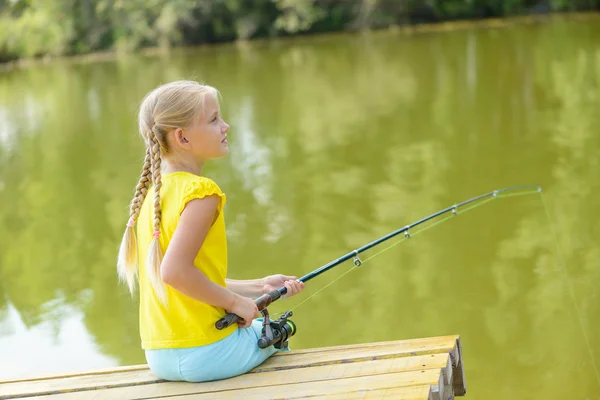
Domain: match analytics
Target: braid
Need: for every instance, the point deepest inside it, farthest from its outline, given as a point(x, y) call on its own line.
point(141, 190)
point(156, 179)
point(127, 263)
point(155, 254)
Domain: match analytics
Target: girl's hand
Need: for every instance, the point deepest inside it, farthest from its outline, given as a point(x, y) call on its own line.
point(273, 282)
point(244, 308)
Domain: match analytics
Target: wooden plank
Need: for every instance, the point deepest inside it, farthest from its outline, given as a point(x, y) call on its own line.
point(111, 370)
point(431, 341)
point(403, 393)
point(302, 360)
point(325, 388)
point(409, 368)
point(77, 383)
point(342, 354)
point(338, 387)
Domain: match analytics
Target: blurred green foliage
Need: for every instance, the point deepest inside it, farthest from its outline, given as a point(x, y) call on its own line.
point(34, 28)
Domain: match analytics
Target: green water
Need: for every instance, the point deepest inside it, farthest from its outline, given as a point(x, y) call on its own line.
point(335, 141)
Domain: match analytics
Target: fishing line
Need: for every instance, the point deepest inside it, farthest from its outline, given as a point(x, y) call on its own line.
point(563, 266)
point(407, 237)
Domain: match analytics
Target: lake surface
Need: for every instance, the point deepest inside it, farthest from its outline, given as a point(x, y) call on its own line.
point(335, 141)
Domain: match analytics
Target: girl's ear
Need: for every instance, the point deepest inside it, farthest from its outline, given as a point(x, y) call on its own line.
point(180, 139)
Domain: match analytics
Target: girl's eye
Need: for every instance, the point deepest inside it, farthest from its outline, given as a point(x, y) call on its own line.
point(214, 119)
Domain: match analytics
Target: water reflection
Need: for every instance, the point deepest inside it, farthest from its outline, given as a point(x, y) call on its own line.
point(252, 159)
point(55, 338)
point(335, 141)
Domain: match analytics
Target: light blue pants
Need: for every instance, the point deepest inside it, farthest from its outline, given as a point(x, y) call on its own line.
point(233, 355)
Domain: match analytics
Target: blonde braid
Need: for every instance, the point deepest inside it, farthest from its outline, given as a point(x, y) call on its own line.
point(127, 263)
point(156, 177)
point(141, 190)
point(155, 254)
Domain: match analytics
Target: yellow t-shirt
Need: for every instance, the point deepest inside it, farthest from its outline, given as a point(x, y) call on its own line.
point(185, 322)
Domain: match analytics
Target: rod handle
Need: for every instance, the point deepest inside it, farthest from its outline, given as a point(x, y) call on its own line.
point(226, 321)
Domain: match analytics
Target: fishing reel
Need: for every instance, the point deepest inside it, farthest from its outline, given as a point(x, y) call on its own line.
point(277, 332)
point(274, 333)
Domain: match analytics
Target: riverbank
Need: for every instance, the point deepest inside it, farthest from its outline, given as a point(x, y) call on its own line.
point(448, 26)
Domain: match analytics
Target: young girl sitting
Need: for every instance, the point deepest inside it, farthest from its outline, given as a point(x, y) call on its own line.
point(185, 292)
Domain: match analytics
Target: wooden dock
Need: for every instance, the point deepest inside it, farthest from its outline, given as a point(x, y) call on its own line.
point(429, 368)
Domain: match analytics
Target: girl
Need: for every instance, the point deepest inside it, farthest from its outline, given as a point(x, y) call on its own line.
point(183, 294)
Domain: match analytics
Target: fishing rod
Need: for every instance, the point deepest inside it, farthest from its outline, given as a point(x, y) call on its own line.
point(277, 332)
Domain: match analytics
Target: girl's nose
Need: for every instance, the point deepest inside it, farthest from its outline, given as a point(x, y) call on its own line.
point(225, 127)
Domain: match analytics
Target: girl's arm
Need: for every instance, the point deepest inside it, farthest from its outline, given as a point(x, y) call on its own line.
point(248, 288)
point(178, 271)
point(255, 287)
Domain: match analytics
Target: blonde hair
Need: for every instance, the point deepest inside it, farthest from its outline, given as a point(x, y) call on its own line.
point(170, 106)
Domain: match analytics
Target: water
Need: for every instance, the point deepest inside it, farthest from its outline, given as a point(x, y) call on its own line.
point(335, 141)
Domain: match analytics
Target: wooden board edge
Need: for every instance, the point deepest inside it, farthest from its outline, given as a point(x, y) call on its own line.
point(440, 390)
point(76, 390)
point(350, 359)
point(239, 393)
point(459, 383)
point(366, 393)
point(444, 390)
point(101, 371)
point(365, 345)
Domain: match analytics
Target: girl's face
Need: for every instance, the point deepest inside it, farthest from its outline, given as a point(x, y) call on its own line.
point(207, 135)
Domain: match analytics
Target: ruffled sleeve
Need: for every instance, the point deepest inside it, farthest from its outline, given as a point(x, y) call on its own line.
point(200, 188)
